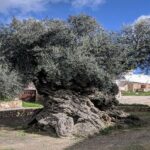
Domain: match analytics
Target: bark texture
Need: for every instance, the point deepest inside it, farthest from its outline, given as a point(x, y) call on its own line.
point(71, 113)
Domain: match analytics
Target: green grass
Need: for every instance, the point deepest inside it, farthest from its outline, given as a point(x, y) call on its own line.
point(21, 133)
point(31, 105)
point(134, 105)
point(130, 93)
point(134, 147)
point(108, 130)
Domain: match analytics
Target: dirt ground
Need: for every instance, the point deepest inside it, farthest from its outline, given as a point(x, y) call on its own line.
point(124, 139)
point(145, 100)
point(20, 140)
point(129, 139)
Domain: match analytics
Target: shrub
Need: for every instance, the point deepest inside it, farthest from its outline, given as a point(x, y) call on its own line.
point(10, 83)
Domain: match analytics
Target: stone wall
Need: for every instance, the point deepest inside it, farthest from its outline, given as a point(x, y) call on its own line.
point(10, 104)
point(18, 117)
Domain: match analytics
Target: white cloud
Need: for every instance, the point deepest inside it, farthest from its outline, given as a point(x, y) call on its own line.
point(142, 18)
point(89, 3)
point(25, 6)
point(22, 5)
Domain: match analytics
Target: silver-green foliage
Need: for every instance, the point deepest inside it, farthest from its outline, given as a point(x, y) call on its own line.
point(10, 84)
point(64, 54)
point(136, 37)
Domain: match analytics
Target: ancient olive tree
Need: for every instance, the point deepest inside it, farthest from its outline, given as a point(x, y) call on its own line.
point(72, 64)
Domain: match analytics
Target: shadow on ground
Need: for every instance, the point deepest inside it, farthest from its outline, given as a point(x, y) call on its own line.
point(136, 138)
point(123, 140)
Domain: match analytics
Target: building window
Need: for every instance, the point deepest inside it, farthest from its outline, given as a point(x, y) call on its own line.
point(143, 86)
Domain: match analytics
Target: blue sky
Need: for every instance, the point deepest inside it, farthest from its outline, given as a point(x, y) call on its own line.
point(112, 14)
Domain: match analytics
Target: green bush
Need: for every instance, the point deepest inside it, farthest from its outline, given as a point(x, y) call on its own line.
point(10, 83)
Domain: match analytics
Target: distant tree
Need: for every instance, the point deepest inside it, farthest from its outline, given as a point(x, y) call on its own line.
point(136, 37)
point(10, 83)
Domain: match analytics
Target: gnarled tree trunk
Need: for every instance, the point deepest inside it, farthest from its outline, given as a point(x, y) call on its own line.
point(70, 112)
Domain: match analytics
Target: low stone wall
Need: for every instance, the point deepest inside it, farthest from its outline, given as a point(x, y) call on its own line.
point(10, 104)
point(16, 117)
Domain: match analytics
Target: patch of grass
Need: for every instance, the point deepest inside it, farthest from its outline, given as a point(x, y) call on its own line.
point(106, 131)
point(140, 93)
point(134, 107)
point(145, 116)
point(141, 114)
point(134, 147)
point(109, 130)
point(21, 133)
point(31, 105)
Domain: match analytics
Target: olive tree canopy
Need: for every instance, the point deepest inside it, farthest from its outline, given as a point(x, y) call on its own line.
point(73, 64)
point(74, 54)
